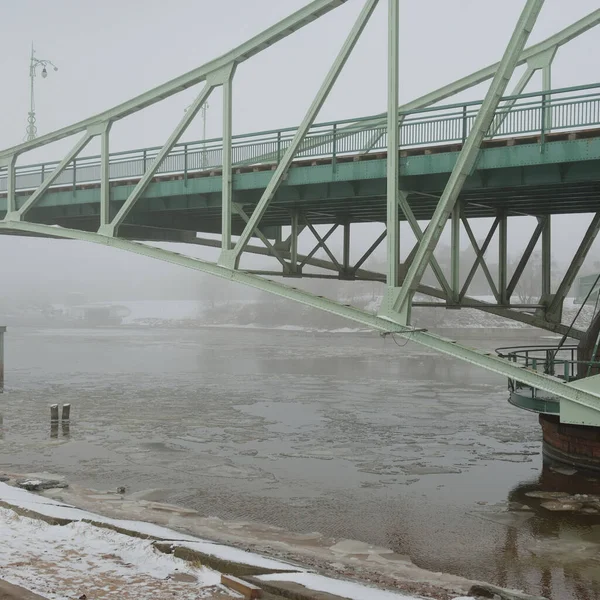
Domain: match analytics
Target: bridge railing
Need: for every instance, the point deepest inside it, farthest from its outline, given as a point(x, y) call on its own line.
point(560, 362)
point(536, 113)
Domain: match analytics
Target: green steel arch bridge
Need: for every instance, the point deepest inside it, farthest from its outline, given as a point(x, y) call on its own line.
point(431, 160)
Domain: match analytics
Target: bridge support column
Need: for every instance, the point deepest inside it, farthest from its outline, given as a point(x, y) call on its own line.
point(546, 257)
point(11, 180)
point(574, 445)
point(295, 268)
point(393, 158)
point(455, 253)
point(227, 193)
point(503, 261)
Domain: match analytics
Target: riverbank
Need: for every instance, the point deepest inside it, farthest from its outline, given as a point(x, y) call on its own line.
point(100, 554)
point(333, 437)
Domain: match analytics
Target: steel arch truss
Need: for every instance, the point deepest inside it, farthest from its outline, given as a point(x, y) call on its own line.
point(401, 279)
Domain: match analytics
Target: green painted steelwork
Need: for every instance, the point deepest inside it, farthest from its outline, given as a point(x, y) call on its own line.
point(341, 173)
point(393, 139)
point(572, 108)
point(520, 179)
point(385, 325)
point(284, 28)
point(467, 157)
point(561, 363)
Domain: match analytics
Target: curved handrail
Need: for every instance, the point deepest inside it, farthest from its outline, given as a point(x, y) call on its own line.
point(546, 358)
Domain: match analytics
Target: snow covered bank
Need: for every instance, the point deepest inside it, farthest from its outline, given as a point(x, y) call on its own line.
point(76, 559)
point(80, 558)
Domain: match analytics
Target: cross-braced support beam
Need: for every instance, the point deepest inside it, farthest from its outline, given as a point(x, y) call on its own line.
point(230, 258)
point(19, 213)
point(485, 360)
point(402, 279)
point(140, 188)
point(554, 311)
point(480, 258)
point(526, 256)
point(267, 38)
point(468, 155)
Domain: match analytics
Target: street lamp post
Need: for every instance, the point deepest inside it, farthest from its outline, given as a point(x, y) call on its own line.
point(204, 157)
point(34, 63)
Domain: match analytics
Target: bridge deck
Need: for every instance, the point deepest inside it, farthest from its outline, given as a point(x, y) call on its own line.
point(341, 169)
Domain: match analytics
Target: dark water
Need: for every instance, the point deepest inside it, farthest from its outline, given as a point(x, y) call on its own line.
point(345, 434)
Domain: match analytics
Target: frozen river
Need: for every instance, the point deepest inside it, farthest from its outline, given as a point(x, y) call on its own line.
point(345, 434)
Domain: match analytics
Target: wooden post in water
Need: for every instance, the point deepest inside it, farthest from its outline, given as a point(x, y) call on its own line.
point(54, 413)
point(66, 412)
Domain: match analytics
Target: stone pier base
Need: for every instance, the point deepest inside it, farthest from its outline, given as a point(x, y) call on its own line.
point(574, 445)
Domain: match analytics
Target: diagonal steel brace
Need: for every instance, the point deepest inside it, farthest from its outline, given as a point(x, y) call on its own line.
point(469, 153)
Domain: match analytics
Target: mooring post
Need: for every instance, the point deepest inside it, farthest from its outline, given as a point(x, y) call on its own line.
point(66, 412)
point(2, 330)
point(54, 413)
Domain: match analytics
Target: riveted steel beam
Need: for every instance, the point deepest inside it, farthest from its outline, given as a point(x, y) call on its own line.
point(272, 250)
point(294, 235)
point(227, 171)
point(554, 311)
point(418, 232)
point(455, 253)
point(546, 256)
point(369, 251)
point(11, 182)
point(230, 258)
point(346, 250)
point(142, 184)
point(393, 155)
point(529, 55)
point(320, 243)
point(446, 346)
point(105, 175)
point(480, 258)
point(468, 155)
point(514, 281)
point(307, 14)
point(18, 214)
point(503, 258)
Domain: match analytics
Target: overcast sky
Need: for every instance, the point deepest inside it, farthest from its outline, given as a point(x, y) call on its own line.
point(110, 51)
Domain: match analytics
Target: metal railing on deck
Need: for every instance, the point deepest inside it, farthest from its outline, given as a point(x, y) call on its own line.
point(560, 362)
point(535, 113)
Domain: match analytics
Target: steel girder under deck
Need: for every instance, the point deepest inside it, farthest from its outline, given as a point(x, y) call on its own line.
point(401, 284)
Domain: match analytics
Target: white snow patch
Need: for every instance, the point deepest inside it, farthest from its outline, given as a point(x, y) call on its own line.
point(63, 562)
point(238, 556)
point(345, 589)
point(53, 508)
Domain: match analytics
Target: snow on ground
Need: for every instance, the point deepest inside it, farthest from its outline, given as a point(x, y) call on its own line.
point(53, 508)
point(345, 589)
point(69, 561)
point(64, 562)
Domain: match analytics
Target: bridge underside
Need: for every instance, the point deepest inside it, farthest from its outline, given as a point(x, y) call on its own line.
point(563, 177)
point(534, 155)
